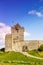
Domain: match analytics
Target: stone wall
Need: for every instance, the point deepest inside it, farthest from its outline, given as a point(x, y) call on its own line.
point(31, 45)
point(8, 42)
point(18, 46)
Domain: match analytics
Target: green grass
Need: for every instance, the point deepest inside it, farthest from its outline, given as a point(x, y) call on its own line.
point(35, 53)
point(16, 58)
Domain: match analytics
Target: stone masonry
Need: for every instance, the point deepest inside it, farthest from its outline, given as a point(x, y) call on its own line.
point(15, 41)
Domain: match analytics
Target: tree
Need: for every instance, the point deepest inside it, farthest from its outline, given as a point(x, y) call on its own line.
point(40, 48)
point(3, 49)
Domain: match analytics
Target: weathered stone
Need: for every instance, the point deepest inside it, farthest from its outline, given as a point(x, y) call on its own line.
point(15, 41)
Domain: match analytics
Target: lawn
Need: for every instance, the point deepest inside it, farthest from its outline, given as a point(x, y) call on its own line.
point(16, 58)
point(36, 53)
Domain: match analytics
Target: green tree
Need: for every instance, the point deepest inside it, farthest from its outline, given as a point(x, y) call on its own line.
point(40, 48)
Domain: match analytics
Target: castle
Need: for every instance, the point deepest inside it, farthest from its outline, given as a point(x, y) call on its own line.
point(15, 41)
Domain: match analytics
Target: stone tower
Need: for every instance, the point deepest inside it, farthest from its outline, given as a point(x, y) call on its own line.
point(17, 32)
point(17, 35)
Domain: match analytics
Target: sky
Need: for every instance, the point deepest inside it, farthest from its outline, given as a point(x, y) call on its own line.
point(28, 13)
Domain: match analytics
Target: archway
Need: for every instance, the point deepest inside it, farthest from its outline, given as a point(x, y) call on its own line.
point(24, 48)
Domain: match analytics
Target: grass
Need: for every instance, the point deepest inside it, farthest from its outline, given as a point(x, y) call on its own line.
point(36, 53)
point(16, 58)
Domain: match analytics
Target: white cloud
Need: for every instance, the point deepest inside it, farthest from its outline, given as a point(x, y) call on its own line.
point(26, 34)
point(39, 14)
point(4, 29)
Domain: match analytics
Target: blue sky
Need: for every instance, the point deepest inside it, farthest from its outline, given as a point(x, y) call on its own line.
point(28, 13)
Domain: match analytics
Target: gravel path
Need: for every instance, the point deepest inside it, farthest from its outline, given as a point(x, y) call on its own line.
point(28, 55)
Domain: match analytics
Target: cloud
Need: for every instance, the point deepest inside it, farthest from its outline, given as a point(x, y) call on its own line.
point(26, 34)
point(4, 29)
point(34, 12)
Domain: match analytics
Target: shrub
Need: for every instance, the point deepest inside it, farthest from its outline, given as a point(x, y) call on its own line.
point(3, 49)
point(40, 48)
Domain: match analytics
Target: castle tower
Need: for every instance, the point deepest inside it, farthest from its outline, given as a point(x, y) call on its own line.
point(17, 32)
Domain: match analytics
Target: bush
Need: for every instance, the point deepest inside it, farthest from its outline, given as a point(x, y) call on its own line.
point(40, 48)
point(3, 49)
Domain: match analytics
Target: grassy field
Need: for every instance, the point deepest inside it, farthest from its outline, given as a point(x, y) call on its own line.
point(36, 53)
point(16, 58)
